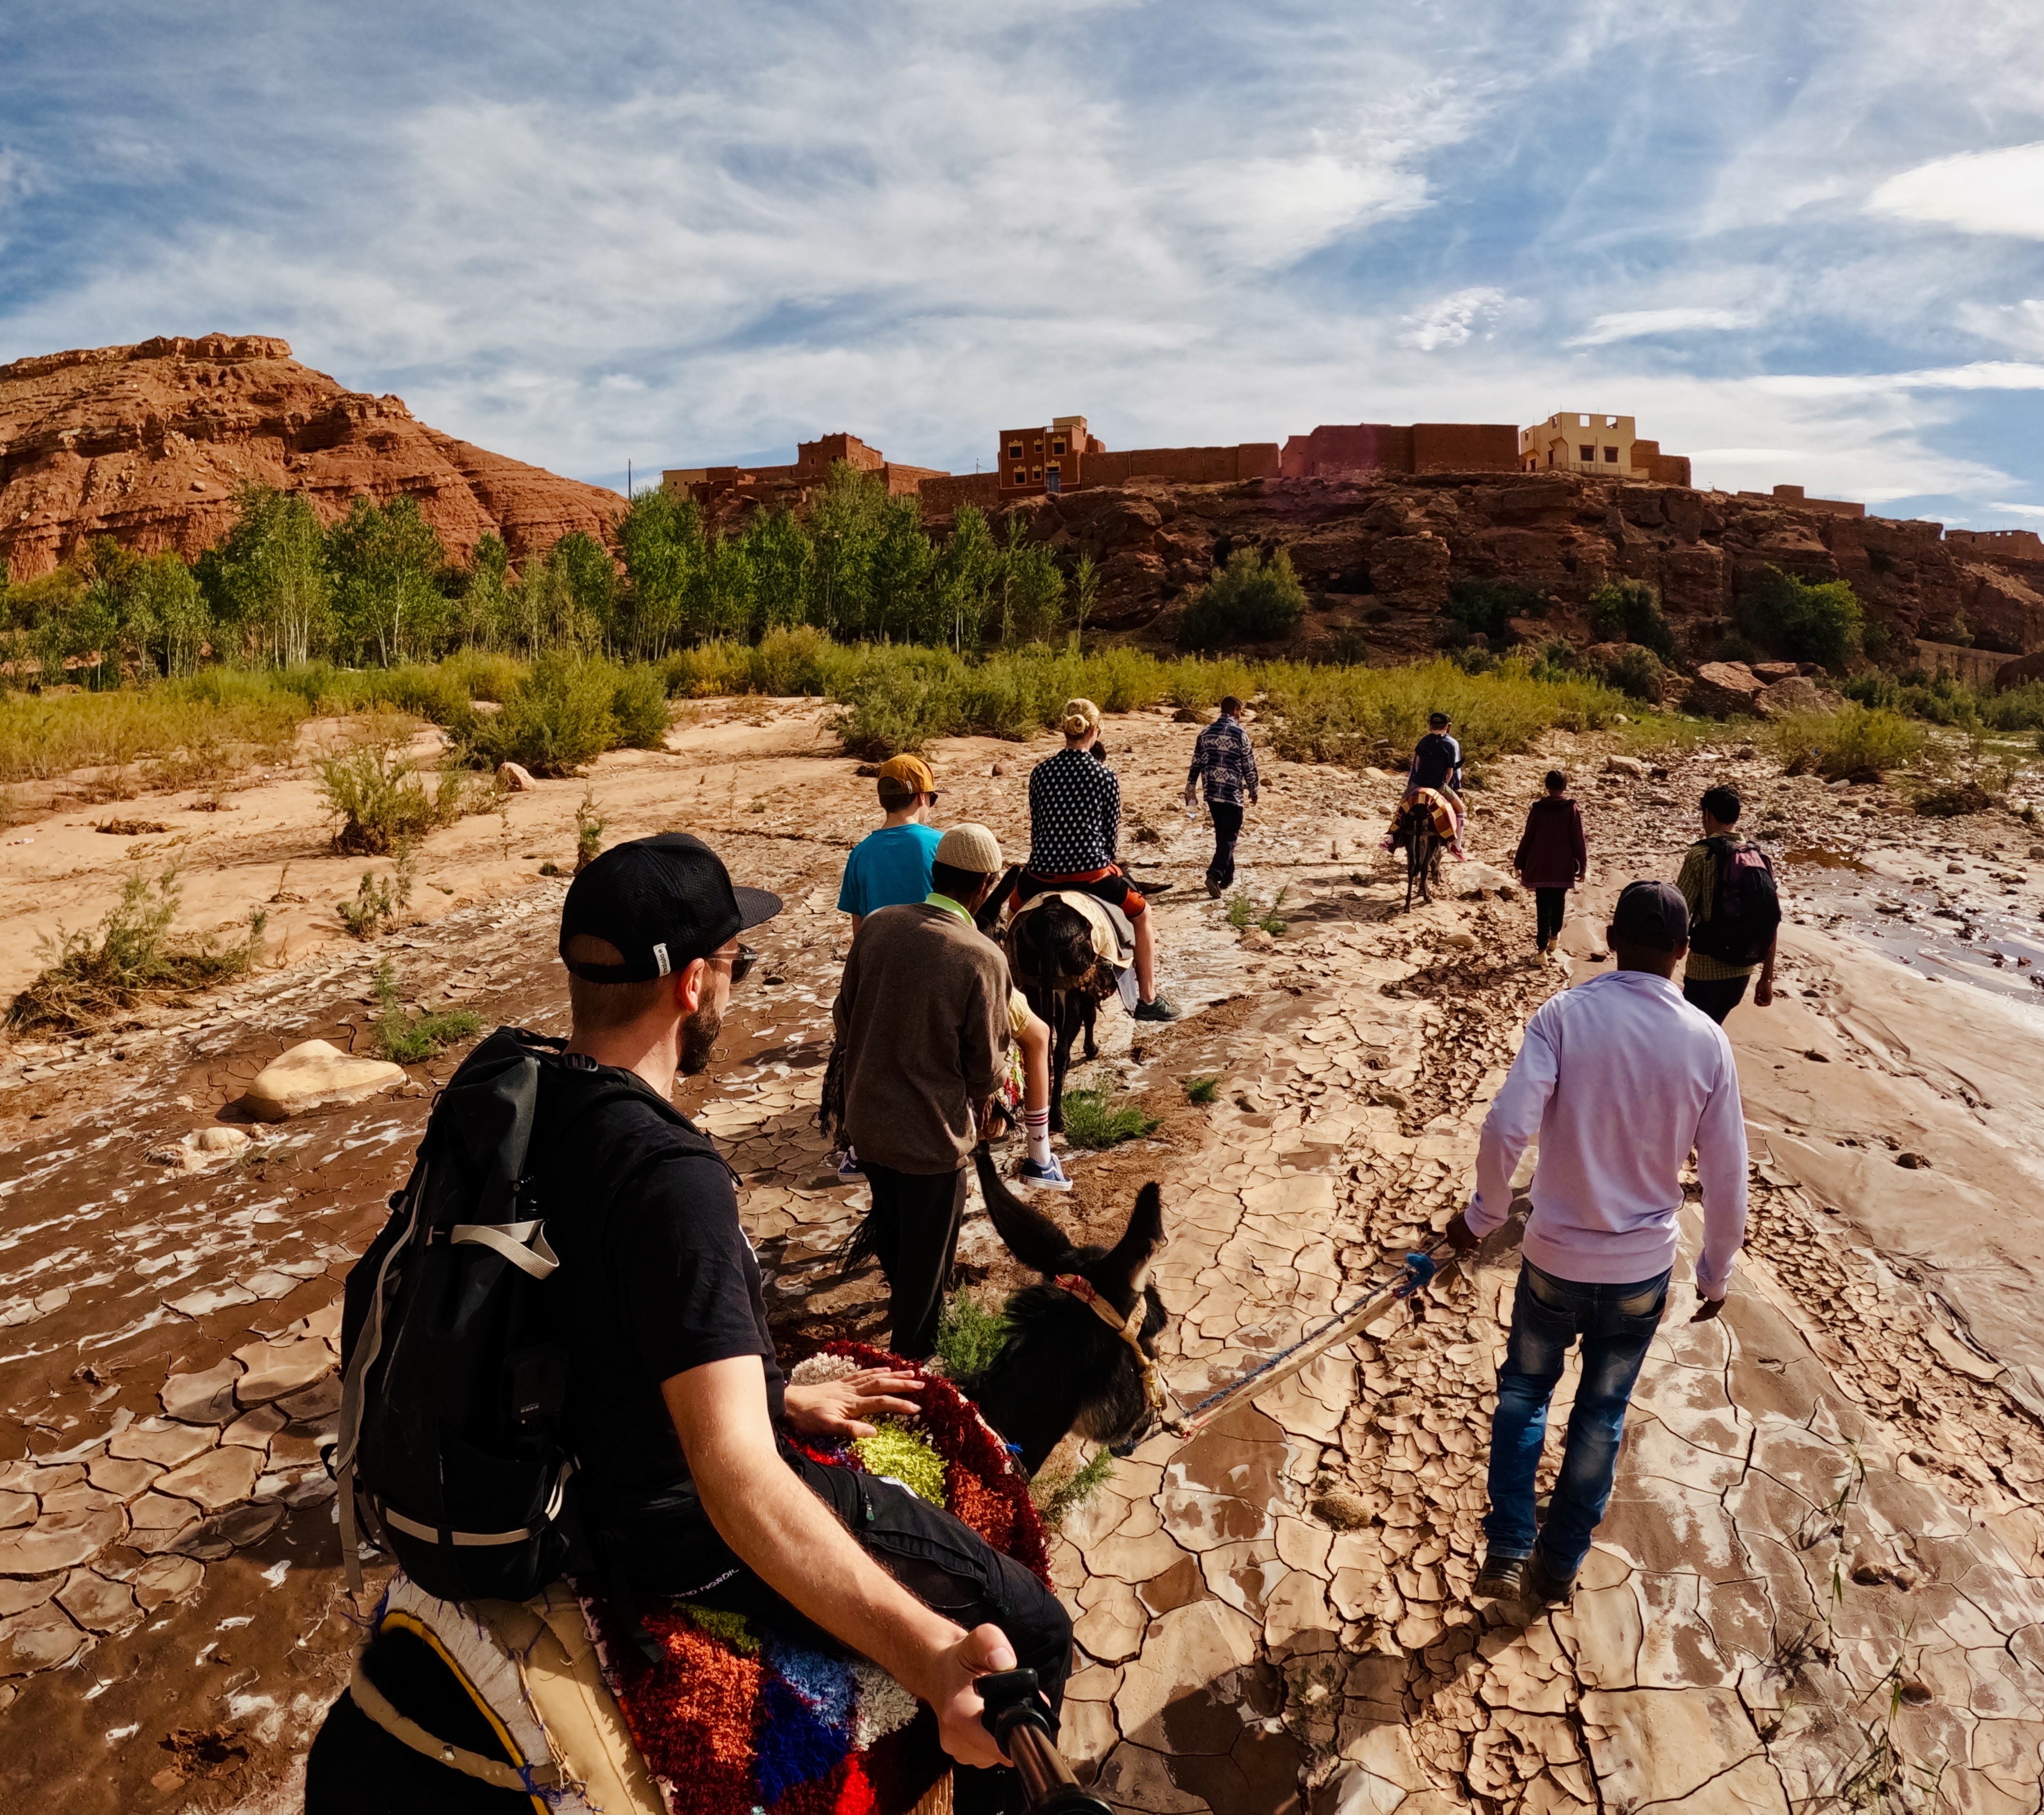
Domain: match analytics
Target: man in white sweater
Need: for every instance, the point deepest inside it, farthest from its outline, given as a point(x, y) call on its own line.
point(1618, 1079)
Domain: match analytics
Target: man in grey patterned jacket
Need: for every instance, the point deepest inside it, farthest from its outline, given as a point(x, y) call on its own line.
point(1223, 760)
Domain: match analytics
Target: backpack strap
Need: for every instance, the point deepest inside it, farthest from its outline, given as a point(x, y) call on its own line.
point(526, 1779)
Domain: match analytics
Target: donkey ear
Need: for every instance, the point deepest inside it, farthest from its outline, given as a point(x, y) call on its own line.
point(1030, 1236)
point(1144, 1236)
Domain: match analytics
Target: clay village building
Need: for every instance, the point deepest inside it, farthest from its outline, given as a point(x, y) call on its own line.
point(1599, 447)
point(1415, 448)
point(1067, 456)
point(811, 468)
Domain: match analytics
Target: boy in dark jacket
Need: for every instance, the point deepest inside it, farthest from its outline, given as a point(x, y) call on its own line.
point(1551, 858)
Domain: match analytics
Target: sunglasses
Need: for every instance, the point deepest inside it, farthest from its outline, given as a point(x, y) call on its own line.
point(741, 962)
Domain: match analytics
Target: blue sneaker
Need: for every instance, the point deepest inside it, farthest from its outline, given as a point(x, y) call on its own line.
point(1050, 1178)
point(849, 1168)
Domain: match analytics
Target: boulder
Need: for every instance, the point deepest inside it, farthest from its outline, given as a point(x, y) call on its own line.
point(1474, 880)
point(2020, 672)
point(1777, 671)
point(1721, 688)
point(201, 1148)
point(1628, 766)
point(517, 778)
point(312, 1074)
point(1795, 692)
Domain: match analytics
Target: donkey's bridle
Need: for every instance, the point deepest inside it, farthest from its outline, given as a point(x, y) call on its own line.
point(1129, 1328)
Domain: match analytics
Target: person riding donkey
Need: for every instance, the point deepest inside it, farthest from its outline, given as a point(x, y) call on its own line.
point(1074, 828)
point(687, 1486)
point(1436, 769)
point(890, 867)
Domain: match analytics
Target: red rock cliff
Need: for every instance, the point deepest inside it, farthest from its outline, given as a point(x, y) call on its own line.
point(1381, 555)
point(146, 443)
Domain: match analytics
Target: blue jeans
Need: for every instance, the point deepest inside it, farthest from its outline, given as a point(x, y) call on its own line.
point(1615, 1324)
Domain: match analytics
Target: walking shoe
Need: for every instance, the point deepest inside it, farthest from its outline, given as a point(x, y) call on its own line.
point(1501, 1577)
point(1050, 1178)
point(1213, 890)
point(1158, 1008)
point(1543, 1587)
point(848, 1166)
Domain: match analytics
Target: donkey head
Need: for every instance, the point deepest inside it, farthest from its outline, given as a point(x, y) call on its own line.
point(1049, 947)
point(1063, 1368)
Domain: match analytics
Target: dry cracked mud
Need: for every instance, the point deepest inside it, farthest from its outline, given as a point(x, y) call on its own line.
point(1822, 1578)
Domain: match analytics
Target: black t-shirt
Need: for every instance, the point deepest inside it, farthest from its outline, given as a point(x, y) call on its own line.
point(656, 1275)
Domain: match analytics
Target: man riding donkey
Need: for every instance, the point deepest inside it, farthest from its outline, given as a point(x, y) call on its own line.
point(673, 1405)
point(1618, 1079)
point(890, 867)
point(1435, 775)
point(1074, 830)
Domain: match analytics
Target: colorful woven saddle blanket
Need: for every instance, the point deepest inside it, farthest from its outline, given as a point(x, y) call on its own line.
point(733, 1718)
point(1443, 811)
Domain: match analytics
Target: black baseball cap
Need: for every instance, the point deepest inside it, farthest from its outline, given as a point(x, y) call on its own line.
point(663, 902)
point(1651, 914)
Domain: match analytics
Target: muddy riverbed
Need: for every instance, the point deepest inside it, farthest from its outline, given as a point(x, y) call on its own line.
point(1276, 1616)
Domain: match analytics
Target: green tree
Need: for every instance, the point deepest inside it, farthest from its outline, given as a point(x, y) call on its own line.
point(1086, 595)
point(267, 581)
point(901, 572)
point(845, 527)
point(660, 538)
point(965, 573)
point(384, 565)
point(1626, 611)
point(1810, 621)
point(783, 562)
point(1249, 601)
point(482, 607)
point(168, 611)
point(721, 595)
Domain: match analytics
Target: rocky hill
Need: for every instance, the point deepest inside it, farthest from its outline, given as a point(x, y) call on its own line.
point(1381, 555)
point(147, 443)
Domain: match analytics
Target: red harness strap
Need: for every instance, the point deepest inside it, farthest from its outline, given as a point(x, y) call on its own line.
point(1128, 1328)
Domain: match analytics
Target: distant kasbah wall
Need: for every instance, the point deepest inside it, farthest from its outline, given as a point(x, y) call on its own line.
point(1413, 448)
point(1185, 466)
point(1794, 494)
point(1662, 469)
point(942, 496)
point(2001, 544)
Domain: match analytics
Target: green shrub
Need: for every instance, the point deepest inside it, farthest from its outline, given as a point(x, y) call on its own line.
point(1808, 621)
point(588, 831)
point(1855, 739)
point(1092, 1119)
point(1949, 800)
point(2020, 709)
point(382, 802)
point(1626, 611)
point(1486, 606)
point(130, 958)
point(1640, 673)
point(1251, 600)
point(407, 1039)
point(1203, 1090)
point(639, 705)
point(558, 718)
point(969, 1339)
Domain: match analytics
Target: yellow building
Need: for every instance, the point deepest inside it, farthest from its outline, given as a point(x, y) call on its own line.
point(1600, 446)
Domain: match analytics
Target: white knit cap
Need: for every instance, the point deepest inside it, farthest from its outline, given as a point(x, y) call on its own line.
point(970, 847)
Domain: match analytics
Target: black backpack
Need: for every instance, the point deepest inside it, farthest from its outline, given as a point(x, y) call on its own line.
point(1745, 908)
point(449, 1451)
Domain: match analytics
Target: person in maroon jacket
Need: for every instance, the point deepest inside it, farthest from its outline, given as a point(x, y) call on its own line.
point(1551, 858)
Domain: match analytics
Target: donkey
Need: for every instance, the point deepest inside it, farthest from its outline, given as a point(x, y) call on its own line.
point(1063, 1368)
point(1416, 833)
point(1051, 958)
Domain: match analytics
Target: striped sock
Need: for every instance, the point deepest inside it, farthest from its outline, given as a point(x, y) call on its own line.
point(1036, 1123)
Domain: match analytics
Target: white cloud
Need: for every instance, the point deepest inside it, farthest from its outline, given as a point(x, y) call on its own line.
point(1978, 192)
point(1451, 321)
point(1637, 324)
point(2020, 509)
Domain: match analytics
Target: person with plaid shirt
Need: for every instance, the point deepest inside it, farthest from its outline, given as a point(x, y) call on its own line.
point(1222, 761)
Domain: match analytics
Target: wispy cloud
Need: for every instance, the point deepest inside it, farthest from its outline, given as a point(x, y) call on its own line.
point(1978, 192)
point(677, 236)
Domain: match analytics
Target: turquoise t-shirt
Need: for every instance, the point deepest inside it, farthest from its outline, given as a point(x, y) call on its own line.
point(888, 867)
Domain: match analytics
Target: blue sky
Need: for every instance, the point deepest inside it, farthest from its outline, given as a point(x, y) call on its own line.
point(1800, 243)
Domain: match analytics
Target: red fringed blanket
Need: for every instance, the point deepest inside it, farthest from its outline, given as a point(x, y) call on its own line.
point(735, 1719)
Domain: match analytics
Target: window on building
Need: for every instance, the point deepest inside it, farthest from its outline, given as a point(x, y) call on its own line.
point(1036, 473)
point(1588, 455)
point(1057, 448)
point(1611, 456)
point(1040, 447)
point(1021, 477)
point(1015, 450)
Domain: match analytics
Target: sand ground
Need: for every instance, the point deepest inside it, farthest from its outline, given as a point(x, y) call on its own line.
point(1825, 1560)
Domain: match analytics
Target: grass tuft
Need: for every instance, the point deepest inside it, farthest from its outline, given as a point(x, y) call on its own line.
point(130, 958)
point(1205, 1090)
point(407, 1039)
point(969, 1339)
point(1058, 1495)
point(1854, 741)
point(382, 802)
point(1093, 1119)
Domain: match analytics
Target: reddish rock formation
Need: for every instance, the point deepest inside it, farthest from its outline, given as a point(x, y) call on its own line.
point(146, 443)
point(1381, 555)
